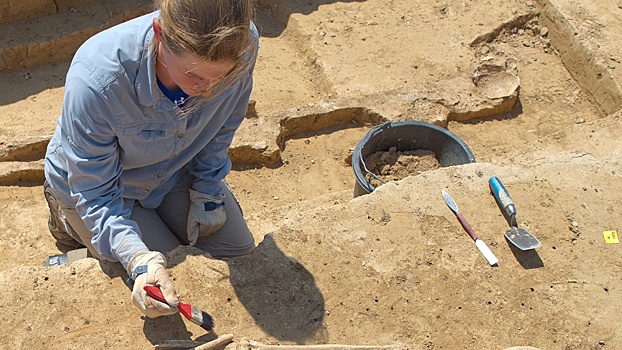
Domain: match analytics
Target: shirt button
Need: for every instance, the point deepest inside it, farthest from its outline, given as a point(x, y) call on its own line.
point(180, 136)
point(146, 191)
point(159, 175)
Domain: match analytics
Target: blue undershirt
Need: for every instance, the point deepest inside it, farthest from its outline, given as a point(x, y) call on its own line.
point(179, 98)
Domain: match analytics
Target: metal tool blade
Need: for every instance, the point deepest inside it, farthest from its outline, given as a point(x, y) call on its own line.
point(450, 201)
point(522, 239)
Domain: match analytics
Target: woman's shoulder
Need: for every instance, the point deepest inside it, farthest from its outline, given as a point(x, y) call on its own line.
point(119, 49)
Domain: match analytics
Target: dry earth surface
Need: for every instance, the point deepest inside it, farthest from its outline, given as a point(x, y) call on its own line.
point(390, 267)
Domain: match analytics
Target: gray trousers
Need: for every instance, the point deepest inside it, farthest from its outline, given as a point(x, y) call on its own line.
point(163, 228)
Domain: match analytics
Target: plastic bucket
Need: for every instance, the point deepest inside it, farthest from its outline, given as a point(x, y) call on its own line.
point(407, 136)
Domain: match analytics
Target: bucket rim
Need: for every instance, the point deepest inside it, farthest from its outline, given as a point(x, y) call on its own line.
point(358, 163)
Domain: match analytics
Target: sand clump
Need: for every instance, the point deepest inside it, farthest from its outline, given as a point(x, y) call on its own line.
point(394, 165)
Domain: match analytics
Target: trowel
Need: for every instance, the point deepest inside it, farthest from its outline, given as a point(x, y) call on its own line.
point(522, 239)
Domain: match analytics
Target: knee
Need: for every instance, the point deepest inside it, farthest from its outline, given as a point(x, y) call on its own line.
point(228, 250)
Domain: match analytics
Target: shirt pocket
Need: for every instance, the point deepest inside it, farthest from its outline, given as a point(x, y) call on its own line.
point(146, 143)
point(147, 132)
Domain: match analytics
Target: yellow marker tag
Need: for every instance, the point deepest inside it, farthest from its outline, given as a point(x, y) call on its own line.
point(611, 236)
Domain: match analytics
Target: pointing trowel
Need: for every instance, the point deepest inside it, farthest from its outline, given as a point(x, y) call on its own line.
point(518, 236)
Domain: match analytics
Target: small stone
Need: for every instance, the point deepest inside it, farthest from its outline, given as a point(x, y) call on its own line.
point(544, 31)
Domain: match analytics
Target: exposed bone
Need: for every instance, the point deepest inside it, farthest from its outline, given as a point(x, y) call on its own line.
point(177, 344)
point(216, 343)
point(245, 344)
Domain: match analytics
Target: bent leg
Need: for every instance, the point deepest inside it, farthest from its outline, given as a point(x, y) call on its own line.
point(234, 238)
point(75, 226)
point(56, 221)
point(156, 234)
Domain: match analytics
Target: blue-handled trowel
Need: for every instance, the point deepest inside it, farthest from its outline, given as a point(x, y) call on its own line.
point(517, 236)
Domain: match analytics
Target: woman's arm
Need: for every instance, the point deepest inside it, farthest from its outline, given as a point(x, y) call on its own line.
point(212, 164)
point(94, 167)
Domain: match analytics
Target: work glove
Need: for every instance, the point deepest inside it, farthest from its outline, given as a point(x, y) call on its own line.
point(149, 268)
point(206, 216)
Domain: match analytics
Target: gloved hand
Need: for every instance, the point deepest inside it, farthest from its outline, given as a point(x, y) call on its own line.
point(156, 275)
point(206, 216)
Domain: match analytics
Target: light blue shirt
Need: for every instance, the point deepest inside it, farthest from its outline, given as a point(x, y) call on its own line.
point(120, 139)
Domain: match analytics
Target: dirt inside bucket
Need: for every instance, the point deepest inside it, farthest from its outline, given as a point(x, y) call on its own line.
point(393, 165)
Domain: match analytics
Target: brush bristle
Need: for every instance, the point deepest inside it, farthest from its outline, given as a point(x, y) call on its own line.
point(207, 322)
point(202, 318)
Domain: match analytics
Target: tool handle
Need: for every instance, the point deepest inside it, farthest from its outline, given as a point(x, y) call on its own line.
point(466, 226)
point(486, 252)
point(156, 293)
point(502, 197)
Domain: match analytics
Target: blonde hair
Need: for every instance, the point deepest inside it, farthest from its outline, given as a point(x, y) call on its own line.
point(212, 30)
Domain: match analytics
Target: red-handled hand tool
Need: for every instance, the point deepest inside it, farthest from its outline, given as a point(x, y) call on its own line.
point(195, 315)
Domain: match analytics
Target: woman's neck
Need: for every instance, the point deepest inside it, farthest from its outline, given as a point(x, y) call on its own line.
point(162, 72)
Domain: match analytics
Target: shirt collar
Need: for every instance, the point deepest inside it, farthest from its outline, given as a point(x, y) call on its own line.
point(146, 85)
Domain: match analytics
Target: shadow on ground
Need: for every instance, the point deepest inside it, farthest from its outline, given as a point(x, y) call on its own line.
point(279, 293)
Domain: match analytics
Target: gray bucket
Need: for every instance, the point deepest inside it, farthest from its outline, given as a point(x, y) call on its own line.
point(407, 136)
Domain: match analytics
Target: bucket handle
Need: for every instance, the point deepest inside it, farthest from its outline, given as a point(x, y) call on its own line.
point(373, 131)
point(367, 170)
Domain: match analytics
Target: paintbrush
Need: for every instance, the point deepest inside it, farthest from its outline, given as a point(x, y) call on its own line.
point(192, 313)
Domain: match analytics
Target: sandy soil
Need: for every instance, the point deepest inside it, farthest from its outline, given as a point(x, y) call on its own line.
point(391, 267)
point(394, 165)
